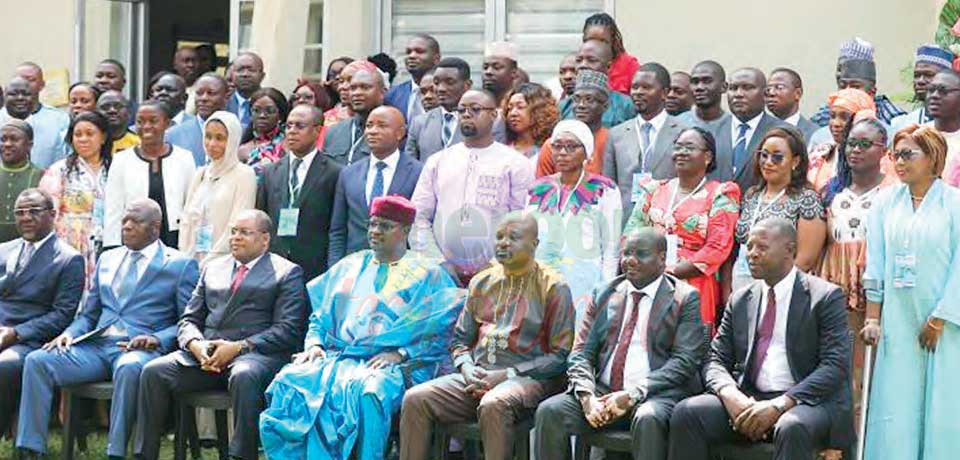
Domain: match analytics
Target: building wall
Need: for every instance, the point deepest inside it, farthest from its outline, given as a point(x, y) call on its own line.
point(38, 35)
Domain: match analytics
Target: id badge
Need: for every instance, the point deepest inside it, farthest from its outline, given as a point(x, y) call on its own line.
point(204, 238)
point(673, 247)
point(289, 217)
point(904, 271)
point(638, 178)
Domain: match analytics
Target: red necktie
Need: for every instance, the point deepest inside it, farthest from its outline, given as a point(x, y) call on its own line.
point(763, 337)
point(626, 336)
point(238, 278)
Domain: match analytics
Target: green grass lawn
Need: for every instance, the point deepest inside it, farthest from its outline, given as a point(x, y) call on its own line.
point(96, 448)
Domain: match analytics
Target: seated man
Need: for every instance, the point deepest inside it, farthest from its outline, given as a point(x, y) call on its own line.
point(510, 345)
point(765, 382)
point(129, 318)
point(379, 315)
point(39, 291)
point(241, 325)
point(635, 364)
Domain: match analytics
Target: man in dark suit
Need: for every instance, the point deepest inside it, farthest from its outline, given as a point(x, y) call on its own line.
point(778, 367)
point(40, 288)
point(241, 326)
point(783, 94)
point(439, 128)
point(129, 317)
point(739, 136)
point(644, 344)
point(247, 75)
point(422, 55)
point(298, 192)
point(211, 92)
point(386, 172)
point(643, 145)
point(345, 143)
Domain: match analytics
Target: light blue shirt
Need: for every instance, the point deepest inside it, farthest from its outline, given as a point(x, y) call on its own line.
point(49, 128)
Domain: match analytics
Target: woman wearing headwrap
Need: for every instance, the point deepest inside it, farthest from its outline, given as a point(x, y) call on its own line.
point(218, 191)
point(844, 105)
point(578, 214)
point(699, 216)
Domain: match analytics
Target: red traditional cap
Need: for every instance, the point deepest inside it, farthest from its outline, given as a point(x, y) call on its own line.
point(394, 207)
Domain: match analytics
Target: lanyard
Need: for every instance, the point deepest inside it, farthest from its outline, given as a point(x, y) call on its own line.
point(354, 141)
point(760, 209)
point(673, 196)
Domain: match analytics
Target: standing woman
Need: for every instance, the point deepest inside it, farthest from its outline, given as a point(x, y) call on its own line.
point(77, 184)
point(698, 215)
point(782, 191)
point(531, 113)
point(912, 280)
point(844, 105)
point(82, 97)
point(262, 142)
point(578, 214)
point(155, 169)
point(601, 26)
point(218, 191)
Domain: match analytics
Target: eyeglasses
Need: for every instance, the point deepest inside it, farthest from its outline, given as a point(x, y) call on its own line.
point(298, 126)
point(569, 147)
point(862, 144)
point(474, 111)
point(687, 148)
point(776, 88)
point(588, 99)
point(234, 231)
point(32, 212)
point(257, 111)
point(904, 154)
point(775, 158)
point(940, 89)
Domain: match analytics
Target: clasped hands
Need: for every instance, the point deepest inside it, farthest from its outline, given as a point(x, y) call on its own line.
point(379, 361)
point(215, 355)
point(64, 341)
point(750, 417)
point(479, 380)
point(606, 409)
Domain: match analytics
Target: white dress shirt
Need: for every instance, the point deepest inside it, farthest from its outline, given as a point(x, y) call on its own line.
point(735, 129)
point(656, 124)
point(637, 365)
point(391, 160)
point(793, 120)
point(249, 265)
point(304, 167)
point(775, 374)
point(36, 247)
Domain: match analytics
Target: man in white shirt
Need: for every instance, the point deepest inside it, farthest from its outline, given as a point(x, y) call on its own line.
point(783, 93)
point(637, 354)
point(782, 349)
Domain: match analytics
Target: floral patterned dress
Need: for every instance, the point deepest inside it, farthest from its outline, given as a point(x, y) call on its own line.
point(703, 223)
point(267, 149)
point(78, 196)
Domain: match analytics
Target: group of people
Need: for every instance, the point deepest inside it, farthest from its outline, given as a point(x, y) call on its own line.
point(614, 252)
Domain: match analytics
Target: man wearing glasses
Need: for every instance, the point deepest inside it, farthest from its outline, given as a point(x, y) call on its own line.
point(465, 190)
point(943, 104)
point(242, 324)
point(39, 291)
point(16, 172)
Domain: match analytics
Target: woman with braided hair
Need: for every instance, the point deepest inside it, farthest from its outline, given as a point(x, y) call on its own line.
point(601, 26)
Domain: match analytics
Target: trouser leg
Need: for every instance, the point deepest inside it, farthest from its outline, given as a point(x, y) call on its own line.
point(11, 367)
point(127, 367)
point(800, 432)
point(697, 424)
point(649, 427)
point(557, 419)
point(500, 409)
point(442, 400)
point(248, 379)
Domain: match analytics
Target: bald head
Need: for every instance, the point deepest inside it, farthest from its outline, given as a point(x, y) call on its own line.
point(772, 249)
point(594, 55)
point(367, 89)
point(31, 72)
point(140, 225)
point(782, 230)
point(384, 131)
point(647, 236)
point(745, 93)
point(146, 210)
point(260, 219)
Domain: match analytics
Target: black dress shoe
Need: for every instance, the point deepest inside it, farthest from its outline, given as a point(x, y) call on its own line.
point(27, 454)
point(114, 457)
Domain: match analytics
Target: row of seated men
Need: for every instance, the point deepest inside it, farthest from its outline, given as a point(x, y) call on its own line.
point(320, 369)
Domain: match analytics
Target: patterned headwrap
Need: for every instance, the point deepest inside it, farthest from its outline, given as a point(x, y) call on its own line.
point(591, 79)
point(856, 48)
point(932, 54)
point(856, 101)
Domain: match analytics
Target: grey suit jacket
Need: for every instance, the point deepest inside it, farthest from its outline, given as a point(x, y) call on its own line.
point(340, 140)
point(676, 340)
point(621, 156)
point(742, 173)
point(818, 347)
point(269, 309)
point(425, 136)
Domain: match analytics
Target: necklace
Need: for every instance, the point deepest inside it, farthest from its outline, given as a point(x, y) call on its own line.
point(497, 338)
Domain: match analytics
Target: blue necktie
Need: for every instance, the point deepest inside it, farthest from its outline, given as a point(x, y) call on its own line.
point(741, 146)
point(129, 281)
point(447, 128)
point(644, 143)
point(377, 182)
point(245, 113)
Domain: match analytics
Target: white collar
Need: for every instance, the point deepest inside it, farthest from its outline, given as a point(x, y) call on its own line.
point(650, 290)
point(793, 119)
point(240, 99)
point(753, 122)
point(148, 252)
point(657, 121)
point(391, 160)
point(307, 159)
point(784, 286)
point(250, 264)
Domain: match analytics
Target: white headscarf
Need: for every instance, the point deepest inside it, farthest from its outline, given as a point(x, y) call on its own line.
point(229, 160)
point(579, 130)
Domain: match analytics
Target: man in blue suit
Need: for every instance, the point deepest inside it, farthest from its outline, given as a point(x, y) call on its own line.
point(247, 76)
point(211, 92)
point(386, 172)
point(129, 318)
point(40, 288)
point(423, 54)
point(345, 143)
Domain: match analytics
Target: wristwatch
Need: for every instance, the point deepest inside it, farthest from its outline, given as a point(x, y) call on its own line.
point(511, 372)
point(403, 354)
point(780, 404)
point(245, 347)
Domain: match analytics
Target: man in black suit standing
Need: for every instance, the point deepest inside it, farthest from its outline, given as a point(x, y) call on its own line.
point(388, 171)
point(642, 354)
point(297, 192)
point(244, 321)
point(345, 142)
point(778, 367)
point(40, 289)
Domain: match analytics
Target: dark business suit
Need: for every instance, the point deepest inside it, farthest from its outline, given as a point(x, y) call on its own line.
point(399, 97)
point(38, 302)
point(351, 212)
point(425, 136)
point(233, 106)
point(310, 246)
point(189, 136)
point(268, 311)
point(818, 353)
point(743, 173)
point(341, 138)
point(676, 343)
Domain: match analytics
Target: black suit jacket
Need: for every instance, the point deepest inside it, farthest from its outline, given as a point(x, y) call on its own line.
point(340, 139)
point(676, 340)
point(818, 347)
point(309, 248)
point(351, 213)
point(743, 173)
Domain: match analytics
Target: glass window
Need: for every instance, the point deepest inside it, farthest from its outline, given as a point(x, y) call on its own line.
point(546, 31)
point(459, 26)
point(313, 47)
